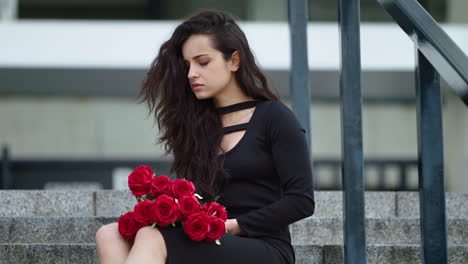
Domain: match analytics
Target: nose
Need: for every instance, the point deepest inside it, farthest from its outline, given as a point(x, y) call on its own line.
point(192, 73)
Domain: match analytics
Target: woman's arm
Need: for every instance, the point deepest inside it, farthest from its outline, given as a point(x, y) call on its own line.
point(293, 165)
point(233, 228)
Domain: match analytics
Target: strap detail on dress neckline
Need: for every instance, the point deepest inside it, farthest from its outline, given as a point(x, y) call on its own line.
point(233, 128)
point(236, 107)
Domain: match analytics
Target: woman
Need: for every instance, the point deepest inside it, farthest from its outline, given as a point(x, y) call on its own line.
point(230, 135)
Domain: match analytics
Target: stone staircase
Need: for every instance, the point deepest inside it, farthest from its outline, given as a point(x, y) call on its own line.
point(59, 226)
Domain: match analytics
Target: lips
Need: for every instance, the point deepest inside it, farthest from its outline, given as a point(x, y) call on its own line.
point(196, 86)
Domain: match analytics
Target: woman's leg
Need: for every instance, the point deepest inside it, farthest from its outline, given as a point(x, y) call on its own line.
point(149, 247)
point(111, 247)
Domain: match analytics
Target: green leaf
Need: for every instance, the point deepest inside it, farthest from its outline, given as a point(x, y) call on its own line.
point(153, 225)
point(218, 243)
point(128, 209)
point(216, 198)
point(173, 224)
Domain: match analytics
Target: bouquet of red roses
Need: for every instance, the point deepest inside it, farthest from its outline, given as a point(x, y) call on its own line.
point(162, 202)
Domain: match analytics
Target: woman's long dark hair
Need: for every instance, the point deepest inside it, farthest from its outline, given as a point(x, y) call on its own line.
point(191, 128)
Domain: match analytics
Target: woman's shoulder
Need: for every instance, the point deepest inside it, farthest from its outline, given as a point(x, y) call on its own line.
point(278, 114)
point(273, 105)
point(277, 110)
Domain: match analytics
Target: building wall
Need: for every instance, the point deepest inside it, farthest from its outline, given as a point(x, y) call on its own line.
point(457, 10)
point(75, 127)
point(117, 128)
point(456, 143)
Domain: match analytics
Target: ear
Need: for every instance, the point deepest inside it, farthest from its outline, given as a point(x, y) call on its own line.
point(235, 61)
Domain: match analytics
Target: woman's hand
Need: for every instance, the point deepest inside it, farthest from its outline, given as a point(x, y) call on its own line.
point(233, 228)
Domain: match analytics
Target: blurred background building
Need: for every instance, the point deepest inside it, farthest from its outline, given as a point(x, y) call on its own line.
point(70, 72)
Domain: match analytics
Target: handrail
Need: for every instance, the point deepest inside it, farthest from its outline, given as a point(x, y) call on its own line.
point(435, 54)
point(441, 51)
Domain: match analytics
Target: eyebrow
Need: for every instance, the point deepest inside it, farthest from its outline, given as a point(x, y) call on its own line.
point(198, 56)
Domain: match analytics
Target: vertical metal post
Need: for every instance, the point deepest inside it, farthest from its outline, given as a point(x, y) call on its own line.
point(431, 163)
point(381, 174)
point(336, 177)
point(7, 182)
point(403, 177)
point(299, 74)
point(351, 133)
point(8, 10)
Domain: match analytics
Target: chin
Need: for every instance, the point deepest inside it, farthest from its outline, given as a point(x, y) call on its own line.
point(202, 96)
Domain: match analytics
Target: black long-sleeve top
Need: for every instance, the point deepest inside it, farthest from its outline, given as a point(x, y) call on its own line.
point(270, 176)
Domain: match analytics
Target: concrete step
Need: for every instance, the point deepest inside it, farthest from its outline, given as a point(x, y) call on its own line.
point(309, 231)
point(311, 254)
point(47, 203)
point(392, 231)
point(376, 254)
point(113, 203)
point(59, 226)
point(51, 229)
point(72, 253)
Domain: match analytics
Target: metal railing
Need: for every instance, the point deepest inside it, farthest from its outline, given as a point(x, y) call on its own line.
point(435, 54)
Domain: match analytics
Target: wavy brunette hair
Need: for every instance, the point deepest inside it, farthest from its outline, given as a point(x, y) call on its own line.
point(191, 128)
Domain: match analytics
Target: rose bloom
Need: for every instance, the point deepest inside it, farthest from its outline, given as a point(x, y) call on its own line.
point(139, 180)
point(188, 205)
point(143, 212)
point(197, 226)
point(160, 185)
point(217, 229)
point(215, 209)
point(181, 187)
point(127, 225)
point(165, 210)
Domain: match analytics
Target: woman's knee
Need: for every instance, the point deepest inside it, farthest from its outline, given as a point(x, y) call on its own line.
point(149, 233)
point(107, 232)
point(151, 236)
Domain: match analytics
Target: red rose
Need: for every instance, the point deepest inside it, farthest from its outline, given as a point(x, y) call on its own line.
point(143, 212)
point(181, 187)
point(166, 210)
point(139, 180)
point(188, 205)
point(127, 225)
point(217, 229)
point(197, 226)
point(160, 185)
point(215, 209)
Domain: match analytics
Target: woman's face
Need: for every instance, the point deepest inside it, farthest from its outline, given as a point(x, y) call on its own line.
point(209, 74)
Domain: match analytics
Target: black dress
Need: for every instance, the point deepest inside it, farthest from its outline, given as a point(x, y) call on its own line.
point(270, 186)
